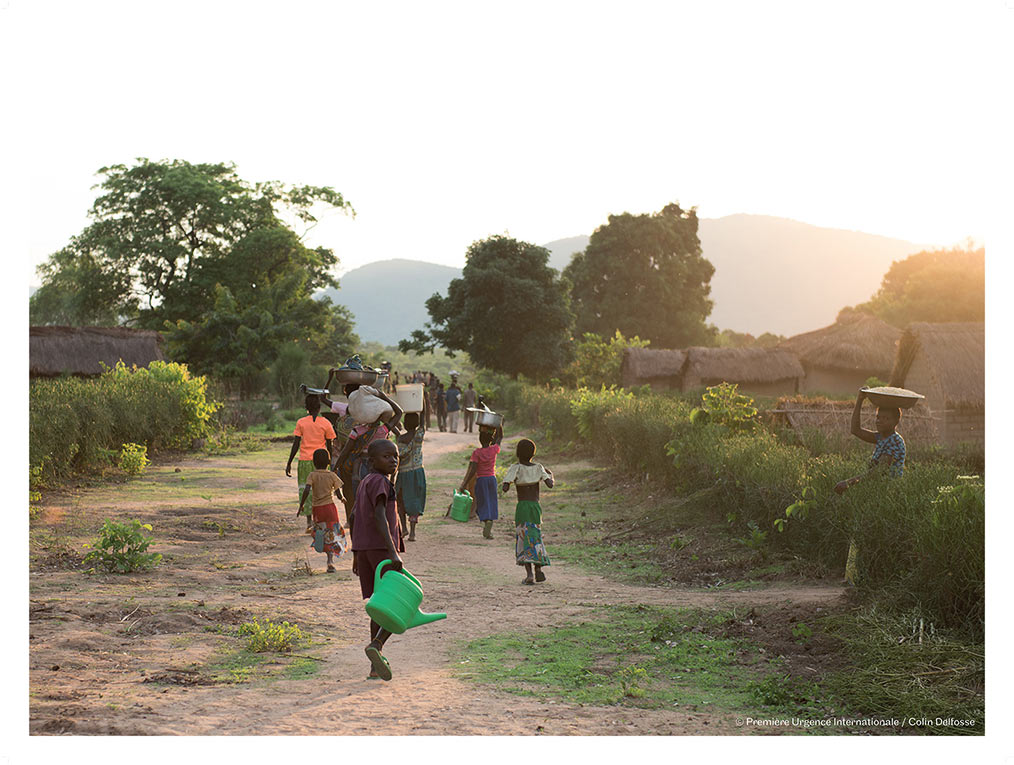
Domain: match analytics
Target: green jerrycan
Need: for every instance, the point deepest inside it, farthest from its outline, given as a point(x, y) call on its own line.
point(394, 604)
point(461, 506)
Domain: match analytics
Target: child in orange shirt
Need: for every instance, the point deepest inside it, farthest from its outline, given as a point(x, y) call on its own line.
point(312, 432)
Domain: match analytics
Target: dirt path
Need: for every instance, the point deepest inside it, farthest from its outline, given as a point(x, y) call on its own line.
point(232, 547)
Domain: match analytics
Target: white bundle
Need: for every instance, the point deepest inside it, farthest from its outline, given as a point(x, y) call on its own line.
point(366, 406)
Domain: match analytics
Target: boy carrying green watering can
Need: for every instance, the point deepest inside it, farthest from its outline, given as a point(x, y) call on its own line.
point(376, 536)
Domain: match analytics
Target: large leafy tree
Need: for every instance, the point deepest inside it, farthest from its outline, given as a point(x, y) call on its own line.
point(933, 285)
point(644, 275)
point(197, 252)
point(509, 311)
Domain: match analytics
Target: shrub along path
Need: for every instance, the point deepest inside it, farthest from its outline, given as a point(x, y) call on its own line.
point(159, 652)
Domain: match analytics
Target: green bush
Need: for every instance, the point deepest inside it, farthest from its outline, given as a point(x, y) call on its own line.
point(270, 636)
point(920, 537)
point(134, 459)
point(121, 547)
point(75, 422)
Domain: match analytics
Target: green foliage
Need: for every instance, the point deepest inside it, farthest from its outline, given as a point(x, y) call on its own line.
point(503, 280)
point(134, 459)
point(933, 285)
point(75, 422)
point(597, 360)
point(34, 495)
point(921, 537)
point(437, 361)
point(121, 547)
point(728, 338)
point(644, 275)
point(726, 406)
point(874, 382)
point(268, 636)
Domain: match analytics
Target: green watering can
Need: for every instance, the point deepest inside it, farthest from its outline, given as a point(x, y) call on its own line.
point(461, 506)
point(394, 604)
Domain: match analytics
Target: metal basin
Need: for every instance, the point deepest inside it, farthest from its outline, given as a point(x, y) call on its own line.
point(356, 376)
point(893, 397)
point(486, 418)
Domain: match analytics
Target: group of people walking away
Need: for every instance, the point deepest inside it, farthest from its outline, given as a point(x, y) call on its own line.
point(376, 472)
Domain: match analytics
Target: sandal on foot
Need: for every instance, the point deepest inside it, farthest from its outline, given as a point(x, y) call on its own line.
point(527, 580)
point(331, 569)
point(373, 674)
point(540, 577)
point(380, 665)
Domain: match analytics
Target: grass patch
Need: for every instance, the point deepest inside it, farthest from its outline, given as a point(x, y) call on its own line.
point(636, 656)
point(627, 561)
point(240, 666)
point(302, 668)
point(902, 667)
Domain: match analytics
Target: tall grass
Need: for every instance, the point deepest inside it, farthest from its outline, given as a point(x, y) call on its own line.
point(920, 537)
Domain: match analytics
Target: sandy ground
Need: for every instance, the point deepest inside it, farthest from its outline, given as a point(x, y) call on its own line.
point(97, 641)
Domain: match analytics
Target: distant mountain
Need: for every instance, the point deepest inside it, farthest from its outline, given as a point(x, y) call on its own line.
point(388, 297)
point(780, 275)
point(771, 275)
point(783, 276)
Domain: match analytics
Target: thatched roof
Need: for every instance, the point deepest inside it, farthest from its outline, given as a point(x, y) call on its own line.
point(53, 351)
point(856, 342)
point(740, 365)
point(647, 363)
point(956, 354)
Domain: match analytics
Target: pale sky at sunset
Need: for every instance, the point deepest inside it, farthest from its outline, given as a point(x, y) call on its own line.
point(447, 122)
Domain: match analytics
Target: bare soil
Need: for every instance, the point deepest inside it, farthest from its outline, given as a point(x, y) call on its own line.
point(148, 653)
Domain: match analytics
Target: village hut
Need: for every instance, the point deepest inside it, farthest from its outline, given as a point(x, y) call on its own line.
point(840, 358)
point(660, 369)
point(81, 351)
point(758, 371)
point(947, 364)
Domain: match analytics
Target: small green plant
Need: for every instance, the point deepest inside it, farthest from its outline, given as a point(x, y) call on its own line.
point(34, 495)
point(134, 459)
point(269, 636)
point(121, 547)
point(874, 382)
point(630, 681)
point(756, 540)
point(776, 692)
point(801, 632)
point(726, 406)
point(678, 542)
point(799, 509)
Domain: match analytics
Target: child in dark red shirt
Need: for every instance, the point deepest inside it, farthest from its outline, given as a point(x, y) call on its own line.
point(483, 466)
point(376, 536)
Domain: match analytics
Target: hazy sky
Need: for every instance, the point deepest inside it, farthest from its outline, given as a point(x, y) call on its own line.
point(444, 123)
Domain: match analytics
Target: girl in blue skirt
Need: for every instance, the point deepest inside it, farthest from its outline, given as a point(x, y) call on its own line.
point(482, 465)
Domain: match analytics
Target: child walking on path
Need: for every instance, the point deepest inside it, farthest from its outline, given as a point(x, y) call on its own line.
point(889, 454)
point(376, 536)
point(482, 466)
point(410, 485)
point(324, 487)
point(526, 475)
point(312, 432)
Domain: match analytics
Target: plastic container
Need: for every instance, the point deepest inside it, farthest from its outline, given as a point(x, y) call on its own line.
point(461, 506)
point(394, 604)
point(410, 396)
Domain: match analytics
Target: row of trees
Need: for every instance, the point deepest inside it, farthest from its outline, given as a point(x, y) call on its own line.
point(212, 260)
point(641, 279)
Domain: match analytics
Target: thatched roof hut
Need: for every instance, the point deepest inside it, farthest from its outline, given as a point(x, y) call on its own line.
point(947, 364)
point(53, 351)
point(647, 366)
point(762, 371)
point(842, 356)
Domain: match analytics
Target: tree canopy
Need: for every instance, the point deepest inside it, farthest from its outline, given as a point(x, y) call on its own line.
point(195, 251)
point(944, 285)
point(509, 311)
point(644, 275)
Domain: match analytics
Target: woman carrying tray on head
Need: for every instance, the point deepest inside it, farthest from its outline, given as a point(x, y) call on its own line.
point(888, 454)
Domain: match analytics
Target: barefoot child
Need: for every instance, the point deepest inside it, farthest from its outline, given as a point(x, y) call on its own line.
point(526, 476)
point(324, 486)
point(376, 536)
point(312, 432)
point(888, 454)
point(482, 466)
point(410, 485)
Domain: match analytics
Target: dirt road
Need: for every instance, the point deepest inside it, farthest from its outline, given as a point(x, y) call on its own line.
point(143, 653)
